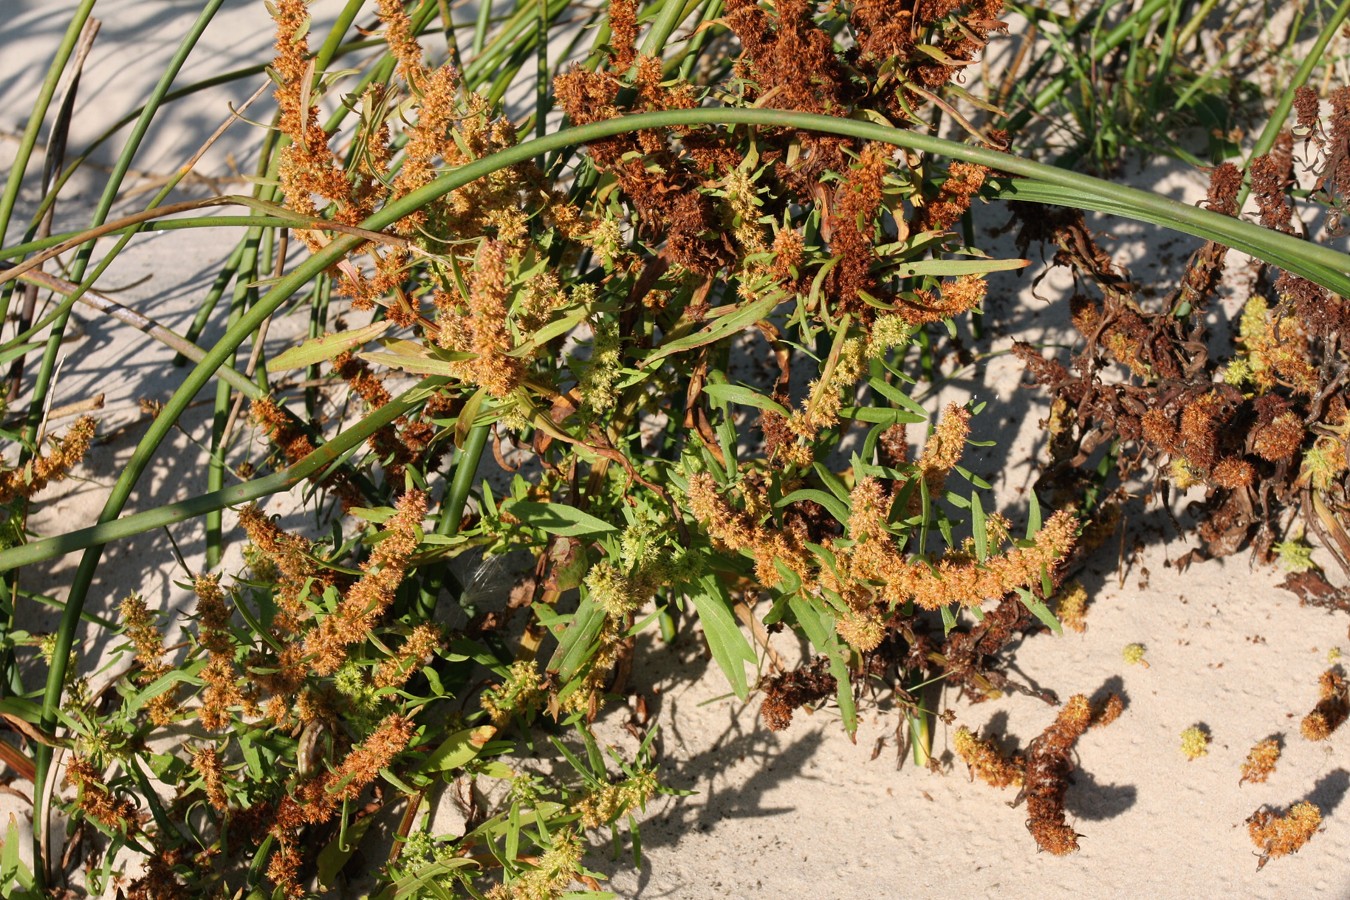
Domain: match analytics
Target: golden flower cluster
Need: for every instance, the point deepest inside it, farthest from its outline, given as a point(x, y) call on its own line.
point(960, 579)
point(954, 297)
point(964, 181)
point(944, 449)
point(871, 569)
point(1274, 350)
point(365, 601)
point(206, 761)
point(584, 693)
point(66, 453)
point(96, 800)
point(1071, 608)
point(144, 635)
point(220, 680)
point(422, 642)
point(318, 799)
point(737, 530)
point(521, 691)
point(300, 576)
point(826, 396)
point(308, 166)
point(553, 872)
point(1195, 742)
point(740, 190)
point(606, 804)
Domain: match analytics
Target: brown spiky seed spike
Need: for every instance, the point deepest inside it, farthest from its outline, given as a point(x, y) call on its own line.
point(1331, 710)
point(1049, 762)
point(1279, 835)
point(1261, 762)
point(1108, 712)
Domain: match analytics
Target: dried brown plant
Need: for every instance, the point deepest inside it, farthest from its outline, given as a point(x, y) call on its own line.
point(1049, 764)
point(1260, 762)
point(1333, 706)
point(986, 762)
point(1276, 834)
point(784, 694)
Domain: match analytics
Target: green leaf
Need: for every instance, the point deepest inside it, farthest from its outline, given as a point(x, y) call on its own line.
point(465, 422)
point(164, 683)
point(948, 620)
point(556, 518)
point(897, 396)
point(1040, 610)
point(556, 328)
point(335, 855)
point(425, 882)
point(734, 393)
point(819, 629)
point(12, 868)
point(330, 345)
point(419, 359)
point(722, 327)
point(576, 645)
point(22, 709)
point(1033, 517)
point(973, 478)
point(979, 527)
point(879, 415)
point(458, 750)
point(729, 646)
point(832, 481)
point(952, 267)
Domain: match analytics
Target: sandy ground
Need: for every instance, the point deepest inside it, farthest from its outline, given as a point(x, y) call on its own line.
point(805, 812)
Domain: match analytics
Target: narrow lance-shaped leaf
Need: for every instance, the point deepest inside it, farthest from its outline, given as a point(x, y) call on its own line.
point(1040, 610)
point(326, 347)
point(819, 628)
point(556, 518)
point(729, 646)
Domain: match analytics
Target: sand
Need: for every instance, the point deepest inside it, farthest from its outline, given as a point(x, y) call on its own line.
point(805, 812)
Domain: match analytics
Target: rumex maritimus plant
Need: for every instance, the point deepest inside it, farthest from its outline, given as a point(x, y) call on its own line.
point(584, 308)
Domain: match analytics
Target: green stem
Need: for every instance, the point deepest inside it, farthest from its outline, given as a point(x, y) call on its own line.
point(42, 385)
point(316, 462)
point(452, 508)
point(30, 134)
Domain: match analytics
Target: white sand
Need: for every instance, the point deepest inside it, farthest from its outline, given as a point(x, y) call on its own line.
point(805, 812)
